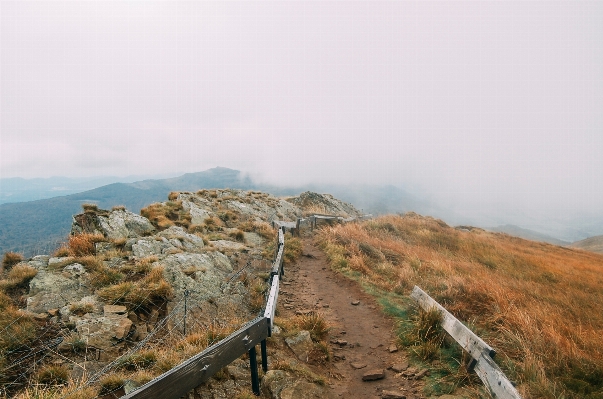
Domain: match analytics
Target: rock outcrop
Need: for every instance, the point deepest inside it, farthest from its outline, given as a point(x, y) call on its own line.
point(195, 252)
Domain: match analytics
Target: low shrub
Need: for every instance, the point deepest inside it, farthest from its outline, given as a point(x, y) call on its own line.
point(138, 361)
point(315, 323)
point(53, 375)
point(90, 208)
point(18, 277)
point(10, 259)
point(83, 244)
point(238, 235)
point(81, 308)
point(17, 328)
point(150, 290)
point(111, 383)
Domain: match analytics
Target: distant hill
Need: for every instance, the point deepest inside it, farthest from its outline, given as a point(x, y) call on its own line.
point(593, 244)
point(16, 189)
point(39, 226)
point(527, 234)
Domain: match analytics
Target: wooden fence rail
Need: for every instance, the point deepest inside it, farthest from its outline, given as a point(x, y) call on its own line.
point(199, 368)
point(481, 353)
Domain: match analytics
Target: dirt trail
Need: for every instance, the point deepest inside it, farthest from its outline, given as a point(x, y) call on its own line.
point(311, 285)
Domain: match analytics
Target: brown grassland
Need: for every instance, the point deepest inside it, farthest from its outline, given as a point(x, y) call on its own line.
point(537, 304)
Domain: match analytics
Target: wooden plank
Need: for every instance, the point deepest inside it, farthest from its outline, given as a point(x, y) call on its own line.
point(278, 262)
point(199, 368)
point(326, 217)
point(494, 379)
point(271, 303)
point(473, 344)
point(281, 223)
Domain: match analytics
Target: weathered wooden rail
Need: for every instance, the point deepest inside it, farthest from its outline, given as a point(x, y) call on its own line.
point(481, 353)
point(199, 368)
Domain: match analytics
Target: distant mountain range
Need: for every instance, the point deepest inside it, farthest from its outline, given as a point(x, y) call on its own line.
point(17, 189)
point(528, 234)
point(39, 226)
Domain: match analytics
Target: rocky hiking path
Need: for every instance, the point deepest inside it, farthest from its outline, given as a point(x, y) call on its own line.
point(361, 338)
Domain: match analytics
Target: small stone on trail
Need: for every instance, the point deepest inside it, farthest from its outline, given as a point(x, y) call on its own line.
point(421, 374)
point(339, 342)
point(356, 303)
point(392, 348)
point(392, 395)
point(372, 375)
point(400, 367)
point(357, 365)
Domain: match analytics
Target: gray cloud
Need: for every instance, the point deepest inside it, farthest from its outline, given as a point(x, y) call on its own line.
point(484, 105)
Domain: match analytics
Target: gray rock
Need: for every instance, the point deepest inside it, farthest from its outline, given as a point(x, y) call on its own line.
point(274, 382)
point(179, 238)
point(204, 273)
point(49, 290)
point(392, 395)
point(39, 262)
point(300, 344)
point(124, 224)
point(198, 214)
point(102, 331)
point(372, 375)
point(150, 246)
point(400, 367)
point(75, 269)
point(54, 262)
point(305, 390)
point(82, 371)
point(227, 245)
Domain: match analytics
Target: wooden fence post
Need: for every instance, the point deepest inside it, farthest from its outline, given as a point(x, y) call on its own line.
point(255, 378)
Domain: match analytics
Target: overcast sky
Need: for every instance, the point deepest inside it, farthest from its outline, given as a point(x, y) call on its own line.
point(497, 103)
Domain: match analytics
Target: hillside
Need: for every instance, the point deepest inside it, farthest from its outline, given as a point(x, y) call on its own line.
point(537, 304)
point(593, 244)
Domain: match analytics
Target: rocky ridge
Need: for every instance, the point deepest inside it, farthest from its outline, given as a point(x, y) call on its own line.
point(107, 294)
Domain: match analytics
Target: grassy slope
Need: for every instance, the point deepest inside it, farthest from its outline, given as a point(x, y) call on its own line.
point(539, 305)
point(594, 244)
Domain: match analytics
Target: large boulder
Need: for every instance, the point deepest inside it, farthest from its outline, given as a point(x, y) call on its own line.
point(311, 202)
point(201, 273)
point(105, 331)
point(179, 238)
point(53, 290)
point(124, 224)
point(116, 225)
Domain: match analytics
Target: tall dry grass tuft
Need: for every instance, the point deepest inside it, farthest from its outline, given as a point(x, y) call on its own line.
point(539, 305)
point(81, 244)
point(164, 215)
point(151, 290)
point(10, 259)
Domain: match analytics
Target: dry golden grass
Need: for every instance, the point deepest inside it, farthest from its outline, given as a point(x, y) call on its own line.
point(18, 277)
point(539, 305)
point(164, 215)
point(17, 328)
point(80, 245)
point(150, 290)
point(10, 259)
